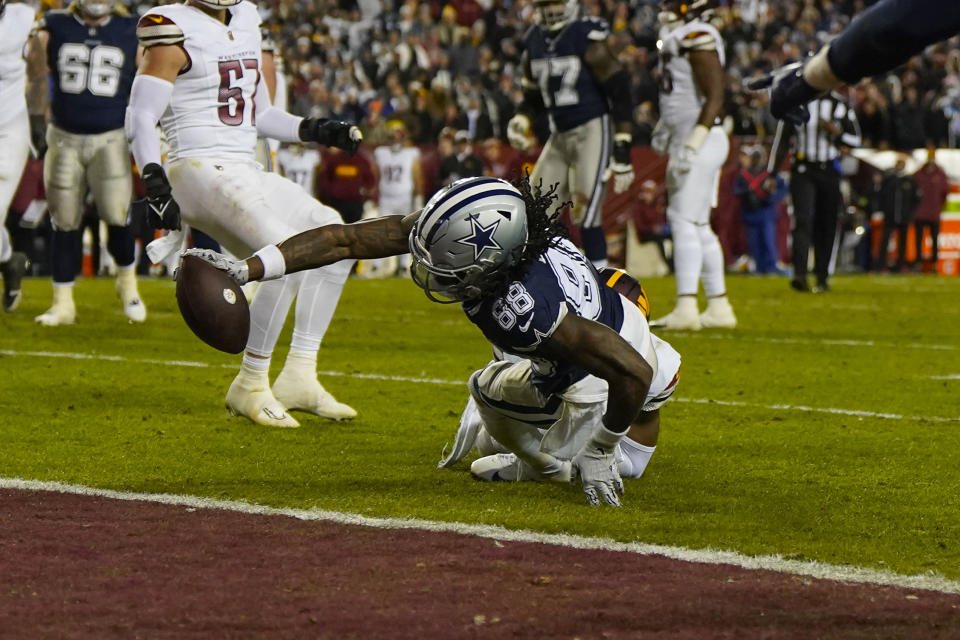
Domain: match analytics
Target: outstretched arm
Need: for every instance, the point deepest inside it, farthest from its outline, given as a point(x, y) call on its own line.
point(375, 238)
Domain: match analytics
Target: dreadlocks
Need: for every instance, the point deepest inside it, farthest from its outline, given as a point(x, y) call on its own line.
point(544, 228)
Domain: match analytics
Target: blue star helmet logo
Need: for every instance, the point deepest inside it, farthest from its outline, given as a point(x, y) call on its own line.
point(481, 237)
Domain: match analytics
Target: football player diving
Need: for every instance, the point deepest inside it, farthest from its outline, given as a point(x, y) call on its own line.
point(581, 374)
point(880, 39)
point(89, 51)
point(570, 73)
point(691, 103)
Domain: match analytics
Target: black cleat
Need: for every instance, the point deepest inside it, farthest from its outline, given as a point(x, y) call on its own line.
point(13, 271)
point(800, 285)
point(821, 287)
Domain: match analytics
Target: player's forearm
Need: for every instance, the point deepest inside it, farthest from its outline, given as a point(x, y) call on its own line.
point(376, 238)
point(624, 401)
point(37, 72)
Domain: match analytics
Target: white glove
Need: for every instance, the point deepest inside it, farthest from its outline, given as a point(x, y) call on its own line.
point(660, 138)
point(621, 167)
point(236, 269)
point(682, 160)
point(597, 466)
point(518, 132)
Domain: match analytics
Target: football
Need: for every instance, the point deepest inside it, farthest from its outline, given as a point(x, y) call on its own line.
point(627, 286)
point(212, 305)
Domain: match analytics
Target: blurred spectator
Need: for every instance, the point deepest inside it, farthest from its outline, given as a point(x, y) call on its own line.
point(345, 182)
point(934, 187)
point(760, 193)
point(898, 200)
point(462, 163)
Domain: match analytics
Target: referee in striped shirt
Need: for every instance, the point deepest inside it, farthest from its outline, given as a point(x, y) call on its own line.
point(815, 182)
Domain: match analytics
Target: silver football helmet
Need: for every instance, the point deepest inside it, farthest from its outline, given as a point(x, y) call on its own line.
point(96, 8)
point(468, 231)
point(554, 15)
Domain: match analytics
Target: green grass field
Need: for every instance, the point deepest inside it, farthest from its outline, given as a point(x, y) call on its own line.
point(749, 458)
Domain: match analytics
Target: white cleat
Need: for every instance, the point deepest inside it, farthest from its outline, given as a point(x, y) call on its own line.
point(258, 405)
point(684, 317)
point(506, 467)
point(302, 392)
point(60, 313)
point(133, 306)
point(719, 314)
point(678, 320)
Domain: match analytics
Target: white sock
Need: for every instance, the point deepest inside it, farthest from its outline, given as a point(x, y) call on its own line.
point(317, 298)
point(635, 458)
point(687, 256)
point(713, 277)
point(268, 312)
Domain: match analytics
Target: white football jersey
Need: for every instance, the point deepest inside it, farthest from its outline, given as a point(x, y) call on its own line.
point(396, 174)
point(680, 98)
point(299, 166)
point(15, 25)
point(211, 112)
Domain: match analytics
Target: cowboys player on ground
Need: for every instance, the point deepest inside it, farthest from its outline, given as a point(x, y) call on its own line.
point(89, 50)
point(571, 74)
point(582, 365)
point(201, 79)
point(15, 21)
point(691, 101)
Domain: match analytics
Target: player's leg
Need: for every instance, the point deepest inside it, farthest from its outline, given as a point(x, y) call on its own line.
point(551, 169)
point(705, 169)
point(65, 187)
point(225, 200)
point(250, 394)
point(318, 293)
point(636, 449)
point(110, 179)
point(15, 143)
point(828, 204)
point(803, 192)
point(592, 152)
point(513, 411)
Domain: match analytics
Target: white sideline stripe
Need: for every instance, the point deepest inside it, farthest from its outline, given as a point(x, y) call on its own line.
point(952, 376)
point(461, 383)
point(800, 407)
point(833, 342)
point(813, 569)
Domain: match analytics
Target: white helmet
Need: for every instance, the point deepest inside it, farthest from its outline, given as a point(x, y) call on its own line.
point(554, 15)
point(469, 231)
point(96, 8)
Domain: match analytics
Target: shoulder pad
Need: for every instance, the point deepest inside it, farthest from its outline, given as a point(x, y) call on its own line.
point(595, 28)
point(698, 36)
point(155, 29)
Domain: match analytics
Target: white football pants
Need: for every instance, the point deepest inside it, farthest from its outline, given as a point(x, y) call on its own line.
point(246, 208)
point(697, 254)
point(14, 149)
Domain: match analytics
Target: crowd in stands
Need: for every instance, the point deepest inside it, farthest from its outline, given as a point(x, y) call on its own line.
point(450, 71)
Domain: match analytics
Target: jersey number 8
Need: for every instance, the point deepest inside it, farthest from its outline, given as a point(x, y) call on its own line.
point(96, 70)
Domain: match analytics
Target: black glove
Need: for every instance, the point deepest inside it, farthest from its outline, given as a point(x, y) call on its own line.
point(163, 212)
point(789, 93)
point(38, 133)
point(331, 133)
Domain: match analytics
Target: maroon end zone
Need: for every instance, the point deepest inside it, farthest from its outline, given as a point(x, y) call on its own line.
point(82, 567)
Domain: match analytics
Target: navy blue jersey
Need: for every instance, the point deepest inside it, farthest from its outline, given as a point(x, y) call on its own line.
point(570, 92)
point(561, 282)
point(92, 68)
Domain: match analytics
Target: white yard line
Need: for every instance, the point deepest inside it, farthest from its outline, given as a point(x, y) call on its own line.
point(819, 570)
point(462, 383)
